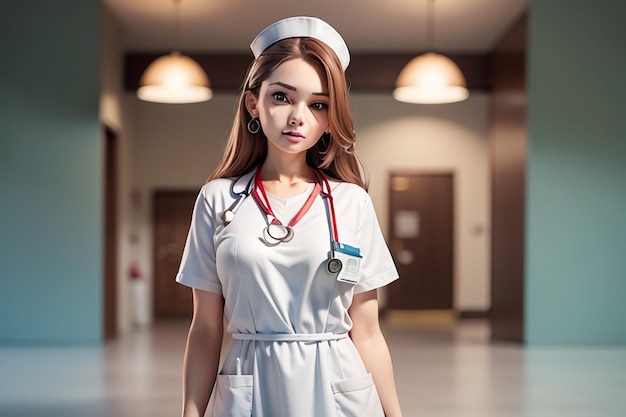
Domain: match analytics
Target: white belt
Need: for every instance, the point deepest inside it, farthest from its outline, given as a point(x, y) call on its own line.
point(290, 337)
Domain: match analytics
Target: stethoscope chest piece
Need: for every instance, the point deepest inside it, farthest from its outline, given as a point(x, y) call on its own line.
point(276, 232)
point(333, 265)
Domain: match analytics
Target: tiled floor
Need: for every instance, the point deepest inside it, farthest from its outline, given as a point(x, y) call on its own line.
point(442, 371)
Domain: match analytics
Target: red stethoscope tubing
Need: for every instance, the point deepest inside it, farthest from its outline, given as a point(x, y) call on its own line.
point(260, 196)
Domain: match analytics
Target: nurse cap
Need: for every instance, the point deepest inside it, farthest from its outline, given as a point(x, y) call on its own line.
point(302, 27)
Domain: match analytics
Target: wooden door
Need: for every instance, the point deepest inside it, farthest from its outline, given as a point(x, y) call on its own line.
point(421, 236)
point(172, 217)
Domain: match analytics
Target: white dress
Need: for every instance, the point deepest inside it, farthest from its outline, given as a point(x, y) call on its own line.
point(291, 356)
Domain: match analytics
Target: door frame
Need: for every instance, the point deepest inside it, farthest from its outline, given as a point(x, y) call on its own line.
point(110, 224)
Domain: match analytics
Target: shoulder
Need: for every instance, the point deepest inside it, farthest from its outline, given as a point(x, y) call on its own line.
point(350, 199)
point(223, 189)
point(349, 191)
point(217, 186)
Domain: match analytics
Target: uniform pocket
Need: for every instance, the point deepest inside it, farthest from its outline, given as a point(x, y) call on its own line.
point(357, 398)
point(233, 396)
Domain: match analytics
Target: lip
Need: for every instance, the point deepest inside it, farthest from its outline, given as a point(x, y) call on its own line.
point(293, 136)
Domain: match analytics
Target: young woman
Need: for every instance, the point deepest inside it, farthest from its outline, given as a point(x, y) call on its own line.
point(284, 243)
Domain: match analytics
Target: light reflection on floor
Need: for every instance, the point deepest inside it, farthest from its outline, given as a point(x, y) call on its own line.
point(441, 370)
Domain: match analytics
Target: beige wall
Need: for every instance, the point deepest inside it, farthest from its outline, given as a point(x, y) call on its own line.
point(178, 145)
point(393, 135)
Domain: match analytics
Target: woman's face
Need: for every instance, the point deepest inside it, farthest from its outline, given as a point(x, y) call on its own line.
point(292, 107)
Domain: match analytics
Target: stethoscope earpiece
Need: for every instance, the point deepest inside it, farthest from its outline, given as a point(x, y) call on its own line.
point(228, 216)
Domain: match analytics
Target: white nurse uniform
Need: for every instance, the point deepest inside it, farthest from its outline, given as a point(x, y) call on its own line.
point(291, 355)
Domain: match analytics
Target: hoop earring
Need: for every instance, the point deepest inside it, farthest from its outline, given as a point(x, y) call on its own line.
point(325, 138)
point(254, 125)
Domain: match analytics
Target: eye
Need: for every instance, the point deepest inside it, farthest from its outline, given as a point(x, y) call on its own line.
point(280, 96)
point(319, 106)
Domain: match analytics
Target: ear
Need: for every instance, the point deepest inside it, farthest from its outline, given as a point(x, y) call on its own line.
point(251, 102)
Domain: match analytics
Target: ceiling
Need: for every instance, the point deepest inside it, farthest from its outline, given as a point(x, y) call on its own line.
point(461, 26)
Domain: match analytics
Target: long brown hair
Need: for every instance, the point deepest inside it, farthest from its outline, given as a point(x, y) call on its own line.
point(333, 153)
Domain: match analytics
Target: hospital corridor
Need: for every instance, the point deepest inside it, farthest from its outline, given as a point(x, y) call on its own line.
point(504, 212)
point(442, 370)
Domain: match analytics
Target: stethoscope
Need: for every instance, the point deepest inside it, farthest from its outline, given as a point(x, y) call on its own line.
point(275, 232)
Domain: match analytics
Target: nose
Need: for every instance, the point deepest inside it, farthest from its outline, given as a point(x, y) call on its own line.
point(297, 115)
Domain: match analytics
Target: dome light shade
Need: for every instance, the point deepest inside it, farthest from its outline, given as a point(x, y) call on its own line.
point(431, 79)
point(174, 78)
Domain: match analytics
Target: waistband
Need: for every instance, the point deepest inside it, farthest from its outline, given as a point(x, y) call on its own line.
point(290, 337)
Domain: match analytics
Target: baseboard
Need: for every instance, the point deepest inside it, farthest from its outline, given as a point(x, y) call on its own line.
point(474, 314)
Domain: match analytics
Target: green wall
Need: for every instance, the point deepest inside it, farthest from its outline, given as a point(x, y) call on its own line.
point(576, 184)
point(50, 173)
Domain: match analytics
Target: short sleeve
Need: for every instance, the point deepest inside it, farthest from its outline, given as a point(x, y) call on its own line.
point(377, 266)
point(197, 267)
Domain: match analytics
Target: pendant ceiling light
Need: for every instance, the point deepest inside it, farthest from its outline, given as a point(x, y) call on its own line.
point(174, 78)
point(430, 78)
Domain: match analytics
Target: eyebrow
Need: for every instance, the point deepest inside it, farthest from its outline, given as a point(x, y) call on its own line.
point(292, 88)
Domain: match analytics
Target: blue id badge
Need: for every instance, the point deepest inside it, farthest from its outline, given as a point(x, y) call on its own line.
point(350, 258)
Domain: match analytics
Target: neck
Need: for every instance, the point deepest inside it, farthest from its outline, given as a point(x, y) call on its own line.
point(287, 175)
point(287, 170)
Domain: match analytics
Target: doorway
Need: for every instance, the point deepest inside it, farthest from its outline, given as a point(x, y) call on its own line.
point(172, 217)
point(421, 234)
